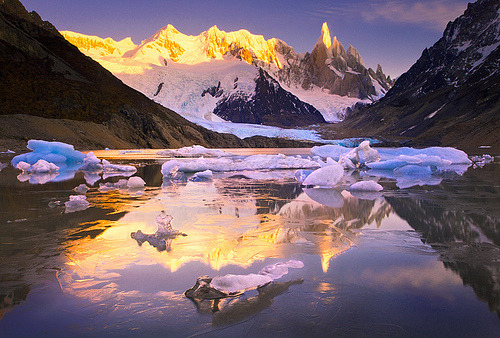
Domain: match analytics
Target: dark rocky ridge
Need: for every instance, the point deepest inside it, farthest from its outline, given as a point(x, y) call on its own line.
point(450, 96)
point(50, 90)
point(270, 105)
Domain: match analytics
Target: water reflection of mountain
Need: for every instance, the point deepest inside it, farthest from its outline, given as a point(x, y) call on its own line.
point(461, 222)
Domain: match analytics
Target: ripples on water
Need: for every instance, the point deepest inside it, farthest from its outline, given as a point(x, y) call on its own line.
point(418, 261)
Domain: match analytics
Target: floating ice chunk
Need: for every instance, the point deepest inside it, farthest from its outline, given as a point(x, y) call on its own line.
point(330, 150)
point(116, 168)
point(366, 186)
point(328, 176)
point(369, 154)
point(481, 161)
point(346, 162)
point(326, 196)
point(254, 162)
point(82, 188)
point(42, 166)
point(135, 183)
point(76, 203)
point(130, 152)
point(170, 167)
point(202, 176)
point(91, 177)
point(193, 151)
point(91, 163)
point(7, 152)
point(163, 237)
point(54, 152)
point(23, 166)
point(239, 283)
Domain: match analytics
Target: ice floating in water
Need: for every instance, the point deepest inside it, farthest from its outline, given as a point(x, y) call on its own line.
point(42, 166)
point(300, 175)
point(82, 188)
point(481, 161)
point(76, 203)
point(53, 152)
point(348, 158)
point(135, 183)
point(254, 162)
point(412, 175)
point(202, 176)
point(116, 168)
point(366, 186)
point(91, 163)
point(239, 283)
point(328, 176)
point(162, 238)
point(193, 151)
point(23, 166)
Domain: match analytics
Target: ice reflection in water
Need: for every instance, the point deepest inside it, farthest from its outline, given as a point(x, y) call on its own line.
point(238, 225)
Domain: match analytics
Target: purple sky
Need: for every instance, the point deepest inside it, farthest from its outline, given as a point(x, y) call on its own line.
point(392, 33)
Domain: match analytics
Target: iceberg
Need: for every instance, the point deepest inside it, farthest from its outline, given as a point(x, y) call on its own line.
point(91, 163)
point(135, 182)
point(116, 168)
point(240, 283)
point(366, 186)
point(162, 238)
point(53, 152)
point(42, 166)
point(328, 176)
point(253, 162)
point(82, 189)
point(76, 203)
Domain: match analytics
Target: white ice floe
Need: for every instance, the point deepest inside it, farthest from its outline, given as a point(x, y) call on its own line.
point(328, 176)
point(76, 203)
point(116, 168)
point(366, 186)
point(239, 283)
point(481, 161)
point(53, 152)
point(254, 162)
point(42, 166)
point(135, 182)
point(23, 166)
point(193, 151)
point(82, 188)
point(91, 163)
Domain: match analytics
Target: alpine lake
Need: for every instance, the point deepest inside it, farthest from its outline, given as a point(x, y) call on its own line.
point(419, 261)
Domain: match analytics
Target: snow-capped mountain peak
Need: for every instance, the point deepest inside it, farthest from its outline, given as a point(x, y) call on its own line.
point(325, 36)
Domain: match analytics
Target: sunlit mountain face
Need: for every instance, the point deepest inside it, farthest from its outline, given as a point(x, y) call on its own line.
point(330, 78)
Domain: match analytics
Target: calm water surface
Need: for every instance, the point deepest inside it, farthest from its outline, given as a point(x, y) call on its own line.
point(409, 262)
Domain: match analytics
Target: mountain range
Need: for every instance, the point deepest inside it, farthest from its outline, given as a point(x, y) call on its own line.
point(258, 81)
point(50, 90)
point(451, 95)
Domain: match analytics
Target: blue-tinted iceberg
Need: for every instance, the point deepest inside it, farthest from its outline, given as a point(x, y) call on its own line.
point(53, 152)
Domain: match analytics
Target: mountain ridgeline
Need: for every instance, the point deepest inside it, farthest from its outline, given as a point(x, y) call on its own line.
point(302, 81)
point(451, 95)
point(50, 90)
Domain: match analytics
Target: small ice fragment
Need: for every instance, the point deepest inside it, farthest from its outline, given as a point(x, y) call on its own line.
point(366, 186)
point(239, 283)
point(135, 182)
point(108, 167)
point(76, 203)
point(82, 188)
point(202, 176)
point(369, 154)
point(108, 186)
point(328, 176)
point(23, 166)
point(91, 163)
point(107, 149)
point(163, 222)
point(42, 166)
